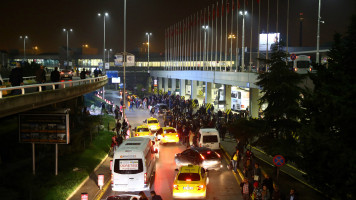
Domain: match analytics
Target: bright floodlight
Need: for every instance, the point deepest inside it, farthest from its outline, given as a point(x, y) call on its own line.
point(106, 14)
point(70, 30)
point(148, 33)
point(64, 29)
point(99, 14)
point(205, 27)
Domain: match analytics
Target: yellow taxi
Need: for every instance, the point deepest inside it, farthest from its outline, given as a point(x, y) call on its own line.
point(152, 124)
point(169, 134)
point(190, 183)
point(142, 131)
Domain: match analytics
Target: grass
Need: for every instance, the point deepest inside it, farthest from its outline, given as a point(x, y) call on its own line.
point(17, 181)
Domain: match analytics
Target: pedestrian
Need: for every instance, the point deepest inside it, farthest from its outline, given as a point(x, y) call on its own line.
point(155, 196)
point(257, 173)
point(246, 189)
point(266, 195)
point(235, 160)
point(16, 78)
point(96, 72)
point(82, 74)
point(55, 76)
point(102, 108)
point(257, 192)
point(276, 193)
point(41, 76)
point(292, 195)
point(191, 137)
point(113, 143)
point(143, 196)
point(268, 182)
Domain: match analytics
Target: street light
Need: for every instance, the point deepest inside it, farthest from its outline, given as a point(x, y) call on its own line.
point(243, 13)
point(67, 31)
point(104, 17)
point(110, 50)
point(148, 51)
point(205, 27)
point(318, 34)
point(24, 46)
point(231, 36)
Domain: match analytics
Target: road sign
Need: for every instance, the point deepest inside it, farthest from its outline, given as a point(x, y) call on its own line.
point(293, 56)
point(279, 160)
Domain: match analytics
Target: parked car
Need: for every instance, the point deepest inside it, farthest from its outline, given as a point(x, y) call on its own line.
point(201, 156)
point(161, 109)
point(66, 74)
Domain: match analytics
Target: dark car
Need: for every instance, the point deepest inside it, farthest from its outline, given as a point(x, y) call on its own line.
point(123, 197)
point(202, 156)
point(66, 74)
point(161, 109)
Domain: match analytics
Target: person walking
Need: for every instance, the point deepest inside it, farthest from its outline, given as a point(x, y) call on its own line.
point(257, 173)
point(16, 78)
point(191, 137)
point(266, 195)
point(257, 191)
point(292, 195)
point(82, 74)
point(55, 76)
point(155, 196)
point(268, 182)
point(143, 196)
point(246, 189)
point(235, 160)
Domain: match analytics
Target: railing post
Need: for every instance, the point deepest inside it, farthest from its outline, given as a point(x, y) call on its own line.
point(53, 87)
point(22, 90)
point(0, 94)
point(40, 88)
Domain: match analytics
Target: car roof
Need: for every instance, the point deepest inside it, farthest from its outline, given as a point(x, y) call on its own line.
point(142, 126)
point(164, 128)
point(190, 169)
point(151, 118)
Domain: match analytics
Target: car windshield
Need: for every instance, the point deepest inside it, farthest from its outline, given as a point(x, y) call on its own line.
point(154, 121)
point(191, 176)
point(143, 130)
point(169, 131)
point(163, 107)
point(303, 64)
point(210, 138)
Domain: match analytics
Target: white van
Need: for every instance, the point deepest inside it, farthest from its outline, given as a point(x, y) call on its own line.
point(209, 137)
point(134, 165)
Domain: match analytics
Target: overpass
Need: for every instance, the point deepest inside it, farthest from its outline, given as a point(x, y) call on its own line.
point(29, 100)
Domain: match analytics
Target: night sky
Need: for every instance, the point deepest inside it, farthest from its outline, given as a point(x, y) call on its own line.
point(43, 21)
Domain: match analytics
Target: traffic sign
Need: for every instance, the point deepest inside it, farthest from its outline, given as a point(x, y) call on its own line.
point(293, 56)
point(279, 160)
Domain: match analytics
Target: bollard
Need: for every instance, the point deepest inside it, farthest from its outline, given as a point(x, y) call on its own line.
point(101, 181)
point(84, 196)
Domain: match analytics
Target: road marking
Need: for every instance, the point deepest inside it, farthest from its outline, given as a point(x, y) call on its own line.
point(102, 192)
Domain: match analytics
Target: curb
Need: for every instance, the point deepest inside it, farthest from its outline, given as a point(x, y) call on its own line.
point(102, 192)
point(86, 179)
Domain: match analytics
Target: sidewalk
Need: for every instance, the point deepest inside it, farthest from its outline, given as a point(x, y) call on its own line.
point(90, 185)
point(294, 176)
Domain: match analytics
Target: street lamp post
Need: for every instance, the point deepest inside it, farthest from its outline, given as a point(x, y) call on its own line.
point(205, 27)
point(104, 17)
point(124, 63)
point(148, 51)
point(24, 46)
point(318, 34)
point(243, 13)
point(67, 31)
point(109, 50)
point(231, 36)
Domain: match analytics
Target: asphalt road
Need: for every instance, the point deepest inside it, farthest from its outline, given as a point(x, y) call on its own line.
point(222, 184)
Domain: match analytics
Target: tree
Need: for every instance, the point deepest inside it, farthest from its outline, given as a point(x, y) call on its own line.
point(327, 146)
point(283, 96)
point(246, 130)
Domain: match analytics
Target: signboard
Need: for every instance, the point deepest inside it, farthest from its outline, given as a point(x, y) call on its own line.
point(272, 38)
point(65, 63)
point(130, 60)
point(100, 64)
point(115, 80)
point(107, 65)
point(84, 196)
point(44, 128)
point(128, 164)
point(293, 56)
point(188, 89)
point(111, 74)
point(155, 83)
point(70, 63)
point(279, 160)
point(119, 59)
point(101, 180)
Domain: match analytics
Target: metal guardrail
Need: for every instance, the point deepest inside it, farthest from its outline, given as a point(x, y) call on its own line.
point(24, 78)
point(63, 84)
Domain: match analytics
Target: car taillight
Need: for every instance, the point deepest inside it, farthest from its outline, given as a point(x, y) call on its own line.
point(177, 135)
point(200, 187)
point(112, 179)
point(136, 134)
point(200, 144)
point(62, 73)
point(145, 178)
point(218, 155)
point(188, 179)
point(310, 69)
point(209, 152)
point(110, 165)
point(175, 187)
point(202, 157)
point(295, 69)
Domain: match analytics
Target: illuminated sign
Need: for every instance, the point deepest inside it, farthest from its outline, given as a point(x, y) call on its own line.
point(272, 39)
point(44, 128)
point(128, 164)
